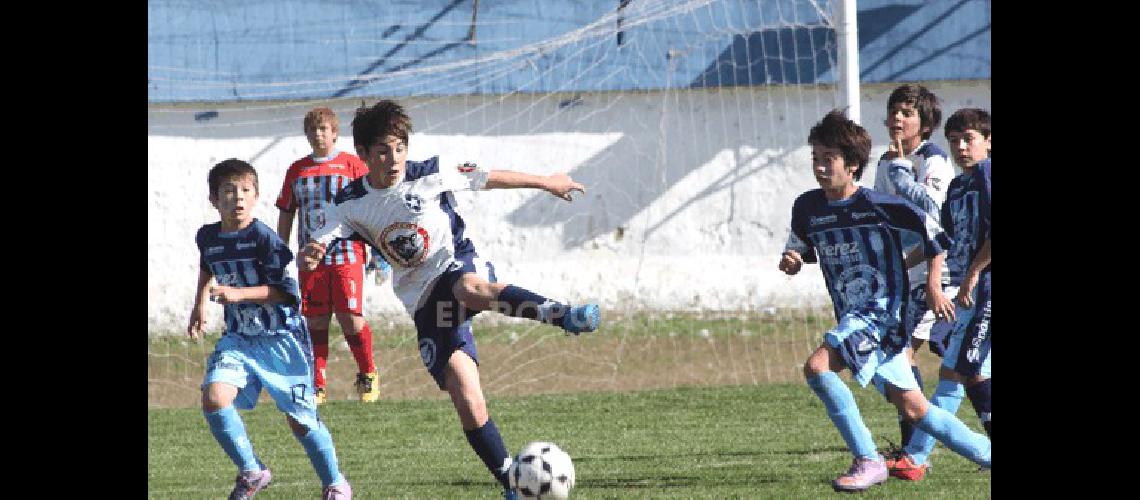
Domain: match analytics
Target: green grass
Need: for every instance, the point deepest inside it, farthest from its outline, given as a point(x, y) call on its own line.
point(762, 441)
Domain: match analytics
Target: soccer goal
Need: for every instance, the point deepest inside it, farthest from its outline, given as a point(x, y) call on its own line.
point(686, 120)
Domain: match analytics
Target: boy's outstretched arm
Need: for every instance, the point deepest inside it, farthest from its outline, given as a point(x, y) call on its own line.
point(198, 311)
point(970, 280)
point(560, 185)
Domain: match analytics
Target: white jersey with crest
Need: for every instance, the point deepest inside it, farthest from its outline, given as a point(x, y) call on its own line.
point(406, 223)
point(921, 178)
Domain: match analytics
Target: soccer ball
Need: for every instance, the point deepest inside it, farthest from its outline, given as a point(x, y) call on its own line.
point(542, 470)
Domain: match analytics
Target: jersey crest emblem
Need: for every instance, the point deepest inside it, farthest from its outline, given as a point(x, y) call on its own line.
point(414, 203)
point(405, 244)
point(316, 219)
point(861, 284)
point(467, 167)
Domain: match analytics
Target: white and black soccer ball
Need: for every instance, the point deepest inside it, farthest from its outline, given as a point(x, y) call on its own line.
point(542, 470)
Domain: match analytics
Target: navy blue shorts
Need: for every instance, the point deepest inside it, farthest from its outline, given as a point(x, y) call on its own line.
point(443, 324)
point(922, 324)
point(969, 351)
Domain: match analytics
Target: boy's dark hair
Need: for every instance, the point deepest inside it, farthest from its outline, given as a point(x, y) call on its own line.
point(923, 100)
point(969, 118)
point(229, 169)
point(317, 115)
point(836, 131)
point(383, 119)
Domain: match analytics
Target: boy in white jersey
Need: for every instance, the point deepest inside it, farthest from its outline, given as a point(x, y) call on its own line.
point(266, 343)
point(406, 210)
point(917, 170)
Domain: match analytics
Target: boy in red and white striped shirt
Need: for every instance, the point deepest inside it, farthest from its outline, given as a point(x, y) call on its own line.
point(337, 284)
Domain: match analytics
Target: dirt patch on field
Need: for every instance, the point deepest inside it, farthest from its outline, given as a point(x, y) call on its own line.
point(537, 359)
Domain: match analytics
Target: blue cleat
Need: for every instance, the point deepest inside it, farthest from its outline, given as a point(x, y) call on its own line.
point(509, 494)
point(581, 319)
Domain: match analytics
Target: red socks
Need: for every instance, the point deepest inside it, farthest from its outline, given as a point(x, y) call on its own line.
point(320, 355)
point(361, 346)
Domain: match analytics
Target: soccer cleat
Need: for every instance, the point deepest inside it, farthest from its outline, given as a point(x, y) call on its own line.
point(581, 319)
point(892, 454)
point(904, 468)
point(864, 473)
point(249, 483)
point(320, 395)
point(368, 387)
point(509, 494)
point(339, 491)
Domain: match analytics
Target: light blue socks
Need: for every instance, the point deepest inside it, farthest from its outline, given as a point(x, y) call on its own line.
point(319, 447)
point(228, 429)
point(947, 396)
point(946, 428)
point(840, 404)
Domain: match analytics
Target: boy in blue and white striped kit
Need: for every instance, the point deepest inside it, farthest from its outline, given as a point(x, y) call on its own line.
point(856, 236)
point(266, 342)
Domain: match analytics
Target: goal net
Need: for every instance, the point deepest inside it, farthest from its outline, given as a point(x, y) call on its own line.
point(685, 119)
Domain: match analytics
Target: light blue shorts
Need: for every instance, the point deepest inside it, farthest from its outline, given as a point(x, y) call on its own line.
point(856, 337)
point(282, 364)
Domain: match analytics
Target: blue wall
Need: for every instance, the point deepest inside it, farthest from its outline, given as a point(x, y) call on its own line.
point(214, 50)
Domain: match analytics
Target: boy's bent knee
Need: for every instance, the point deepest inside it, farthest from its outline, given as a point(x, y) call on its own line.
point(318, 322)
point(298, 428)
point(945, 373)
point(821, 361)
point(350, 323)
point(217, 396)
point(810, 370)
point(911, 404)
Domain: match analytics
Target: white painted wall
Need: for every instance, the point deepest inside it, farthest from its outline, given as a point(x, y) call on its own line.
point(689, 198)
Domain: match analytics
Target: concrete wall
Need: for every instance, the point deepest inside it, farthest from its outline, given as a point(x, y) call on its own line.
point(689, 198)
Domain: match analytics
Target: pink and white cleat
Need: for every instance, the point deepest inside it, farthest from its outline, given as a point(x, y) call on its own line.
point(864, 473)
point(339, 491)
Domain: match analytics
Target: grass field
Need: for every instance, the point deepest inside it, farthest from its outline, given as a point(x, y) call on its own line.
point(755, 441)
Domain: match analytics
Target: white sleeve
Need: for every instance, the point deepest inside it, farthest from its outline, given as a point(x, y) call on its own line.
point(882, 181)
point(332, 227)
point(452, 179)
point(936, 180)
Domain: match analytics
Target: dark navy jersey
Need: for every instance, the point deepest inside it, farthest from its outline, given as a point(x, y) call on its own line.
point(966, 215)
point(253, 256)
point(857, 242)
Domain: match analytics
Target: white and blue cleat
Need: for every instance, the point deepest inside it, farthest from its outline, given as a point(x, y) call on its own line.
point(582, 319)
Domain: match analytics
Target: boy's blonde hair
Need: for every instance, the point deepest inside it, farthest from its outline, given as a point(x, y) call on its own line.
point(317, 115)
